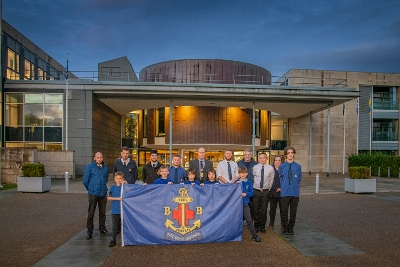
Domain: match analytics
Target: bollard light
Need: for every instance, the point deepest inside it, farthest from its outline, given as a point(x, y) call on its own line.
point(66, 182)
point(317, 183)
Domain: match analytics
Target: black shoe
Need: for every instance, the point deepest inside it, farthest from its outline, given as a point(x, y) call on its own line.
point(89, 235)
point(112, 243)
point(263, 231)
point(255, 238)
point(105, 232)
point(285, 231)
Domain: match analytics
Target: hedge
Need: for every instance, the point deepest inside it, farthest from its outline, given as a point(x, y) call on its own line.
point(375, 160)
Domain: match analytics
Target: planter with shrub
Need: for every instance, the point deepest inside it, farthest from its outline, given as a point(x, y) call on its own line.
point(33, 178)
point(360, 181)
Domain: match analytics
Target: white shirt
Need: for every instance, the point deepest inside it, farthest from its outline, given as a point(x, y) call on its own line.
point(222, 170)
point(268, 176)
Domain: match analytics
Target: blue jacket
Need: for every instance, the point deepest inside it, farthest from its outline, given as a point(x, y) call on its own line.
point(162, 181)
point(241, 163)
point(130, 171)
point(189, 182)
point(115, 191)
point(290, 187)
point(95, 180)
point(181, 174)
point(247, 187)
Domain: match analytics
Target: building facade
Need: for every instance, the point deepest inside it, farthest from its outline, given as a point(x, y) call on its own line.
point(180, 105)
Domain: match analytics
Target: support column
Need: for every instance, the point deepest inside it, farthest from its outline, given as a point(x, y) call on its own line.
point(170, 134)
point(328, 150)
point(310, 156)
point(253, 136)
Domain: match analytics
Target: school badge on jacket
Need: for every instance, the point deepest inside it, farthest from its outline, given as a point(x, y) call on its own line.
point(183, 216)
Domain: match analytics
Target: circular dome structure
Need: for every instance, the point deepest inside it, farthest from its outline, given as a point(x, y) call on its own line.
point(217, 71)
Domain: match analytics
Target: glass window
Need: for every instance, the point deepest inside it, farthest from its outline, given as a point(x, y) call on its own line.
point(34, 134)
point(37, 145)
point(14, 133)
point(52, 146)
point(53, 115)
point(160, 119)
point(28, 70)
point(40, 74)
point(14, 114)
point(33, 114)
point(53, 98)
point(16, 144)
point(53, 134)
point(14, 98)
point(12, 65)
point(34, 98)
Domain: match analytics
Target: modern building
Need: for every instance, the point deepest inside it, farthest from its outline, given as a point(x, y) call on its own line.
point(180, 105)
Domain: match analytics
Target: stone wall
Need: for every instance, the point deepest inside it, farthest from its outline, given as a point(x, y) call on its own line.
point(56, 162)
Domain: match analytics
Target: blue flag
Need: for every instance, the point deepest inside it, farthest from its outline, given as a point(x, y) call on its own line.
point(181, 214)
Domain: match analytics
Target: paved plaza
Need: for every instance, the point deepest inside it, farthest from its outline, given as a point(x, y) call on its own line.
point(333, 228)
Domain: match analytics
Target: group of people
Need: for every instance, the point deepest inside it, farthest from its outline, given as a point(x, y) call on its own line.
point(278, 185)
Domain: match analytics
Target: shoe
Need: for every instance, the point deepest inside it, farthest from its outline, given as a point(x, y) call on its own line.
point(263, 231)
point(271, 226)
point(255, 238)
point(89, 235)
point(285, 231)
point(112, 243)
point(105, 232)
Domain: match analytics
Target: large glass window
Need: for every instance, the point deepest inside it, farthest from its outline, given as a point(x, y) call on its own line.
point(160, 122)
point(28, 66)
point(33, 120)
point(12, 65)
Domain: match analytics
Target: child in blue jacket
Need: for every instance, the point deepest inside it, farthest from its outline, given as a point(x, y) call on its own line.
point(247, 193)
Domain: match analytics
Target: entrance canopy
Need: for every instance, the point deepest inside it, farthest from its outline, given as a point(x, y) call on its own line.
point(289, 101)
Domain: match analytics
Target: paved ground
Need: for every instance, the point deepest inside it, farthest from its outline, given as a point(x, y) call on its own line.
point(333, 229)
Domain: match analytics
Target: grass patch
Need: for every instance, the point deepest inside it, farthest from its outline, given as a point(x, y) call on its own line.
point(8, 186)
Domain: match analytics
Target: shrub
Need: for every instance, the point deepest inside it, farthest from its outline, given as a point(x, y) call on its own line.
point(140, 173)
point(33, 170)
point(377, 161)
point(359, 173)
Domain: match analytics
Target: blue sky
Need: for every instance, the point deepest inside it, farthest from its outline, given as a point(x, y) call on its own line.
point(277, 35)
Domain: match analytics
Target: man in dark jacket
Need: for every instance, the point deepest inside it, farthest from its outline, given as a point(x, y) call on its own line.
point(150, 170)
point(95, 178)
point(127, 166)
point(201, 165)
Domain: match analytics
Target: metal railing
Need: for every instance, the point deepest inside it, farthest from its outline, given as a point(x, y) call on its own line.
point(386, 105)
point(385, 136)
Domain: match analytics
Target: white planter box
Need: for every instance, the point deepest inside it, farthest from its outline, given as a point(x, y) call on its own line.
point(34, 184)
point(360, 185)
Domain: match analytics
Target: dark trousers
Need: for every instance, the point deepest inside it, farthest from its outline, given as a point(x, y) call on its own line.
point(260, 208)
point(273, 204)
point(116, 225)
point(249, 221)
point(93, 201)
point(289, 203)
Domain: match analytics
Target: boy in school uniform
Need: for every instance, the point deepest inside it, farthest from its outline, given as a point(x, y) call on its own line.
point(211, 174)
point(114, 196)
point(164, 176)
point(247, 193)
point(191, 177)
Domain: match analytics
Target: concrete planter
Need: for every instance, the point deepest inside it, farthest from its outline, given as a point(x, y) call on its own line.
point(360, 185)
point(34, 184)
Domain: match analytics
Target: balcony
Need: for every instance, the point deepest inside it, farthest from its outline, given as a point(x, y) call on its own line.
point(386, 105)
point(386, 136)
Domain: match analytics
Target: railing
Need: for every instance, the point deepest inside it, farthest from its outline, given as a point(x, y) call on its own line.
point(386, 105)
point(201, 78)
point(278, 144)
point(386, 136)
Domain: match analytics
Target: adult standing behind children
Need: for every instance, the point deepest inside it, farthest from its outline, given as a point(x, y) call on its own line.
point(127, 166)
point(263, 178)
point(177, 174)
point(227, 170)
point(274, 195)
point(201, 165)
point(95, 178)
point(150, 170)
point(248, 162)
point(290, 178)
